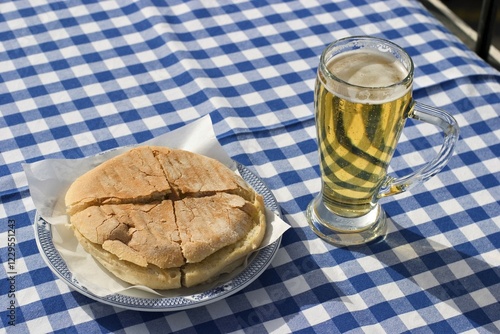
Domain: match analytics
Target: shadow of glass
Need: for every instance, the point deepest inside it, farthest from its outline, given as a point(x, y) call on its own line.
point(460, 279)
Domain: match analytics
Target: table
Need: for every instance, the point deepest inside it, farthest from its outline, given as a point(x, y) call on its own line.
point(79, 78)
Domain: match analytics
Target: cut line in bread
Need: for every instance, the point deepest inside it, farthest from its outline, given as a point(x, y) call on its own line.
point(164, 173)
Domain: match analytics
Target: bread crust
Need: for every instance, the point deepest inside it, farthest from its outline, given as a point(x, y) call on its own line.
point(165, 218)
point(150, 276)
point(231, 255)
point(133, 176)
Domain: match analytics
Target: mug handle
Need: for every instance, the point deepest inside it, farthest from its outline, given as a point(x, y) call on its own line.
point(445, 122)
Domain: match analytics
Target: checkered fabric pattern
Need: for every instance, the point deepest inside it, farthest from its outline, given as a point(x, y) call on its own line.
point(81, 77)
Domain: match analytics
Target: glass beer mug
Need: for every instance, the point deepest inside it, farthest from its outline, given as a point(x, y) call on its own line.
point(362, 98)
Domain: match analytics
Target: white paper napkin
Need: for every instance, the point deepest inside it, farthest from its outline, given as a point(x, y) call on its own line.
point(48, 181)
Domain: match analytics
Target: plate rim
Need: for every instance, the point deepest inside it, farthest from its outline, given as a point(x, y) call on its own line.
point(262, 258)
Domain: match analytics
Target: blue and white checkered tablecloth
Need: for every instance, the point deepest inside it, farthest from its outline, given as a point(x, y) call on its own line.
point(81, 77)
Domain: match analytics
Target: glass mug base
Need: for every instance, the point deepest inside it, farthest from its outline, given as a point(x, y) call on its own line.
point(343, 231)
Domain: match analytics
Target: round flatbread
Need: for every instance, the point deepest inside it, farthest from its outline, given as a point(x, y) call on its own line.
point(165, 218)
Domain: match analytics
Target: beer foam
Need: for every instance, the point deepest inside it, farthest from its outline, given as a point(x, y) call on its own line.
point(368, 69)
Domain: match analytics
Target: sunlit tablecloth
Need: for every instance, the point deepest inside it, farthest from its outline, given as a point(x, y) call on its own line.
point(78, 78)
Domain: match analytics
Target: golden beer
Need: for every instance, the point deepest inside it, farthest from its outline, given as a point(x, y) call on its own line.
point(360, 113)
point(362, 98)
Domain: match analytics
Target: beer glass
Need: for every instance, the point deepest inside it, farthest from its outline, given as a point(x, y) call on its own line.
point(362, 98)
